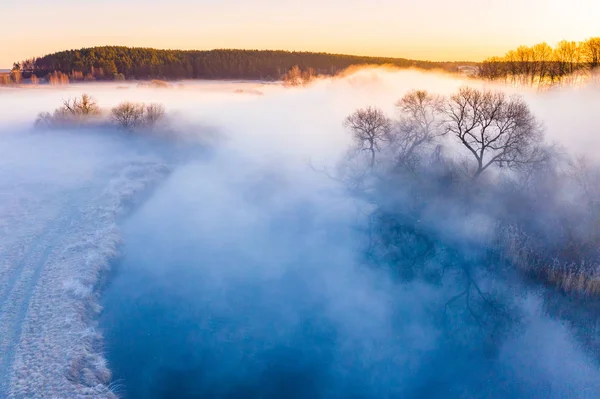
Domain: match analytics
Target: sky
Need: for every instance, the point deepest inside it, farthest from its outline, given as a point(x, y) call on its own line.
point(438, 30)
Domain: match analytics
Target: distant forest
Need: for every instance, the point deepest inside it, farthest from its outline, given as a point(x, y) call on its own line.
point(539, 65)
point(119, 63)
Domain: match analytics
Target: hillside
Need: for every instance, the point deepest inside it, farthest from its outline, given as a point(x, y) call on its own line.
point(117, 63)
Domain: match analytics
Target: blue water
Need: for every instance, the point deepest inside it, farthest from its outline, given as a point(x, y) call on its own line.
point(237, 285)
point(218, 297)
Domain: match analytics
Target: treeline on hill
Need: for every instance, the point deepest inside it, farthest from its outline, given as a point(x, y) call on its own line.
point(541, 65)
point(469, 197)
point(114, 63)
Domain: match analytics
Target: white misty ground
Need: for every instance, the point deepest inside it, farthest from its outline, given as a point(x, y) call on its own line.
point(56, 241)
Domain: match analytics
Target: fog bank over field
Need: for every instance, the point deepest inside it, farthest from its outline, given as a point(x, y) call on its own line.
point(235, 260)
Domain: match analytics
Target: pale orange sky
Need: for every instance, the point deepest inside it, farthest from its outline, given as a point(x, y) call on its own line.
point(429, 29)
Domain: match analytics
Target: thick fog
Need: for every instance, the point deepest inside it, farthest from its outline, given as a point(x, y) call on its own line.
point(232, 259)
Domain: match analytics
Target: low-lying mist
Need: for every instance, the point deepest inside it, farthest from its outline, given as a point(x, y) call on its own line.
point(262, 256)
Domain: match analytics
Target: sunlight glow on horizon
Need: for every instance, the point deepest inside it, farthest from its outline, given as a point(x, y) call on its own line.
point(462, 30)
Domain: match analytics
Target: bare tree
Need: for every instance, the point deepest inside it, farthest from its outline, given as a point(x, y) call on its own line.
point(542, 55)
point(494, 128)
point(524, 58)
point(493, 68)
point(568, 56)
point(153, 113)
point(81, 106)
point(419, 123)
point(370, 127)
point(45, 119)
point(591, 51)
point(128, 115)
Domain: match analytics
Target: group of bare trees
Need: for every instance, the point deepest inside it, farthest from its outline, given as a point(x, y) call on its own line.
point(492, 127)
point(440, 215)
point(297, 77)
point(435, 149)
point(72, 111)
point(541, 65)
point(131, 115)
point(404, 165)
point(84, 109)
point(14, 76)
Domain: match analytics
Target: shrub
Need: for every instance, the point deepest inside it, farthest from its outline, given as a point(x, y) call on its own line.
point(83, 106)
point(130, 115)
point(72, 112)
point(127, 115)
point(153, 114)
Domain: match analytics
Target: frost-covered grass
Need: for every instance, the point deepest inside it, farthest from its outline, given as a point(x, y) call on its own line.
point(61, 239)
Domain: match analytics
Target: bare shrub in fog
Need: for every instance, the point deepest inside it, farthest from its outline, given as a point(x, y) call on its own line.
point(45, 119)
point(73, 111)
point(130, 115)
point(370, 127)
point(565, 249)
point(84, 106)
point(154, 113)
point(84, 110)
point(494, 128)
point(296, 77)
point(419, 124)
